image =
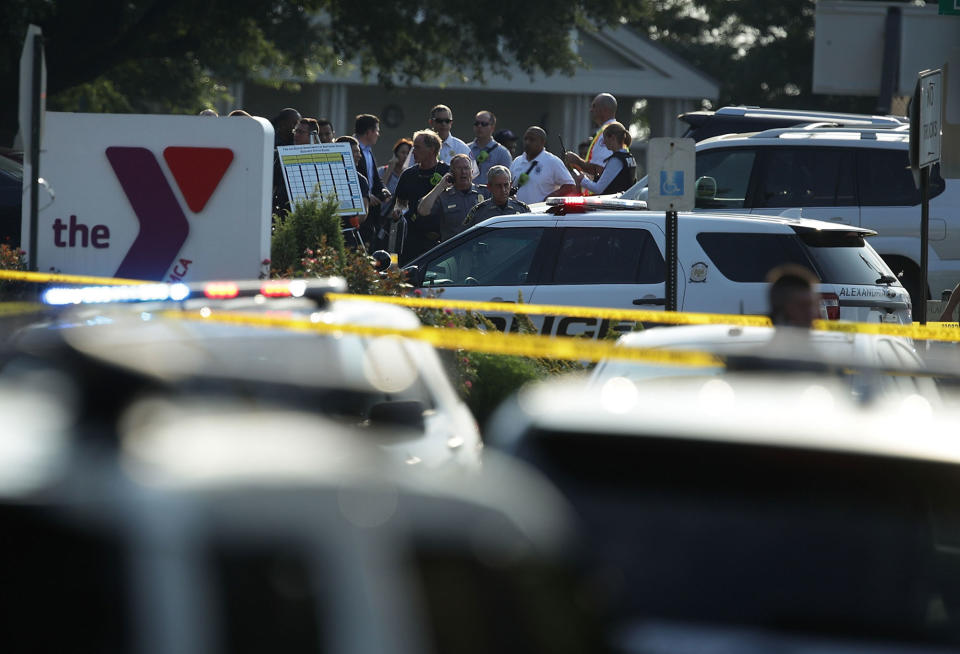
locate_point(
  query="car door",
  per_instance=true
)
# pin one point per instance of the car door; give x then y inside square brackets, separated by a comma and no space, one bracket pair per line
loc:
[820,182]
[610,264]
[500,263]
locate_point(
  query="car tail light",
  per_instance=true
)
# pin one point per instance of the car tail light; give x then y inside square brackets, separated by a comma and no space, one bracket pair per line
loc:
[275,289]
[830,306]
[221,290]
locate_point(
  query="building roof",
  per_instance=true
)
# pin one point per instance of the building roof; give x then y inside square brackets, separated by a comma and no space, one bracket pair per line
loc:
[617,60]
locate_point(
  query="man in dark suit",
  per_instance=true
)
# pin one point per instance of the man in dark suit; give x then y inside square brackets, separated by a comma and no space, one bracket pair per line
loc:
[367,131]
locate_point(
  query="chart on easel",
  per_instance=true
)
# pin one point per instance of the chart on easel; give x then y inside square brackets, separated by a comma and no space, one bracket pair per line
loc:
[325,169]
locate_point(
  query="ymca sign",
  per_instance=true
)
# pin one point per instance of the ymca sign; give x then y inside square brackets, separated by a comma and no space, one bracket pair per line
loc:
[171,198]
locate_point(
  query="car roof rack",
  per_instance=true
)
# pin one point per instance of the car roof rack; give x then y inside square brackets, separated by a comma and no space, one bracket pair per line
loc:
[866,133]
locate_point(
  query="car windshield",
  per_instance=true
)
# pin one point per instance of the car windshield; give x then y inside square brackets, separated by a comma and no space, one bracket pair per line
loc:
[765,536]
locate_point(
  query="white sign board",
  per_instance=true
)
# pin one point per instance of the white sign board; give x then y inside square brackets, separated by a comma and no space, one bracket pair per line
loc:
[931,93]
[671,170]
[155,197]
[322,168]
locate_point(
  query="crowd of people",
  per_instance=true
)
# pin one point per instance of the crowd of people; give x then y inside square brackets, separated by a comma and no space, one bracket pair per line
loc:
[435,185]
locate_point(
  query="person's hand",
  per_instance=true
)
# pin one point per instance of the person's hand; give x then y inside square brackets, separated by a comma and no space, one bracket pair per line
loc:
[374,200]
[385,193]
[572,159]
[446,182]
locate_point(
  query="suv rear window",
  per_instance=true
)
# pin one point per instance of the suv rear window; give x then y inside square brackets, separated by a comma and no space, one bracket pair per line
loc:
[749,257]
[835,257]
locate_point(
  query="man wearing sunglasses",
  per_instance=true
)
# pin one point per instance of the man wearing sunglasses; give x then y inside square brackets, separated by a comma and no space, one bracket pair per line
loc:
[440,121]
[483,149]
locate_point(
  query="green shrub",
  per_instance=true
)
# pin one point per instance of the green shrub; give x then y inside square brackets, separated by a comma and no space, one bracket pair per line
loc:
[302,229]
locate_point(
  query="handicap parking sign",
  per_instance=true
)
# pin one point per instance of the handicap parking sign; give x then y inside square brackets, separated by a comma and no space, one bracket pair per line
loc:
[671,162]
[671,182]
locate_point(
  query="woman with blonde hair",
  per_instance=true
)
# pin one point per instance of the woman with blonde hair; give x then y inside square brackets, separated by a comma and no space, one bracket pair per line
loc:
[619,169]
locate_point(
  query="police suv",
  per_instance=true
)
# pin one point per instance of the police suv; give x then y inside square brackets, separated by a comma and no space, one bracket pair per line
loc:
[610,253]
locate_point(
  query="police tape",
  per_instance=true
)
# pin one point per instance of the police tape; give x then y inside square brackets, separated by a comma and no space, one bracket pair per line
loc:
[57,278]
[8,309]
[627,315]
[525,345]
[947,332]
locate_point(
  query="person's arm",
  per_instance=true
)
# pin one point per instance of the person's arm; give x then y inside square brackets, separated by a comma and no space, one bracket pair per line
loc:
[573,160]
[947,314]
[428,200]
[610,171]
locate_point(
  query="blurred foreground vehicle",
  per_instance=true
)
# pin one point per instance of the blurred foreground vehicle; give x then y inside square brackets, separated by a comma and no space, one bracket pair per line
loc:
[756,512]
[229,530]
[865,360]
[110,353]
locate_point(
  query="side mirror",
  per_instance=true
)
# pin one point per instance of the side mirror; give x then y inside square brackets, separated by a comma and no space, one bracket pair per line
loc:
[400,413]
[412,275]
[706,188]
[945,295]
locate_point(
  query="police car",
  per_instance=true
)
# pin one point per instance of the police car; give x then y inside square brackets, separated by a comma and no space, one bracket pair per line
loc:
[610,253]
[854,176]
[115,342]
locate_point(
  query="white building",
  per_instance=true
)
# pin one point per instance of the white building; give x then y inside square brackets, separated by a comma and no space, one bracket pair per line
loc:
[618,61]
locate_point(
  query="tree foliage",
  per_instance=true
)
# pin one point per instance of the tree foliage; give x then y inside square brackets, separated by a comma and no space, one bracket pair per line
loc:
[166,55]
[760,52]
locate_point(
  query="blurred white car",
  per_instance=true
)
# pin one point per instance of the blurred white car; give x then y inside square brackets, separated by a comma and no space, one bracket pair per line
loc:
[756,513]
[800,350]
[396,387]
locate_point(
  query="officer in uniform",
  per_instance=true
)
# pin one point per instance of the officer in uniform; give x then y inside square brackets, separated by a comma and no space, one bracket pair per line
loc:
[500,202]
[447,205]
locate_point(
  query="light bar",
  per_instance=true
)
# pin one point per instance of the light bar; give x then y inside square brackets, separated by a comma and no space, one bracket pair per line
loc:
[597,203]
[221,290]
[60,296]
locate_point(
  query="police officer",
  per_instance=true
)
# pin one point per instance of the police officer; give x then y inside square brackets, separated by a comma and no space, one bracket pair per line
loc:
[450,200]
[500,202]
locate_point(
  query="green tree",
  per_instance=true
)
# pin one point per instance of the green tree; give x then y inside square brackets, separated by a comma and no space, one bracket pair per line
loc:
[760,52]
[166,55]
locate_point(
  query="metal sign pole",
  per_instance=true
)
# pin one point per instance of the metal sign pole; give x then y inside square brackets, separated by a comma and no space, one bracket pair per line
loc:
[671,282]
[924,238]
[35,95]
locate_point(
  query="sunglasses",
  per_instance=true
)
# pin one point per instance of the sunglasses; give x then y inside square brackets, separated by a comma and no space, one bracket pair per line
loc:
[443,121]
[480,123]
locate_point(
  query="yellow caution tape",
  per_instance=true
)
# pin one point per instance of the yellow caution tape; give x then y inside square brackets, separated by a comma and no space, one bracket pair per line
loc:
[43,278]
[918,332]
[632,315]
[18,308]
[937,331]
[527,345]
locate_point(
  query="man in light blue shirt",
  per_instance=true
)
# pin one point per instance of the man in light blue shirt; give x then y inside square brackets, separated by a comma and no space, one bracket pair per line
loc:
[483,149]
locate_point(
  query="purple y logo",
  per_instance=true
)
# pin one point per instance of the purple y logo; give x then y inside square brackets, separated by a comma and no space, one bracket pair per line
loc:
[163,224]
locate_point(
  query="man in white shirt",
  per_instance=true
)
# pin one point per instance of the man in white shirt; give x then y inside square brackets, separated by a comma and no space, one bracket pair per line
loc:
[537,173]
[603,111]
[441,121]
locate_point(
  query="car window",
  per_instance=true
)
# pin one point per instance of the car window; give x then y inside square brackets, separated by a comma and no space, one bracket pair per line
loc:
[608,256]
[885,179]
[731,169]
[806,177]
[743,257]
[492,258]
[844,258]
